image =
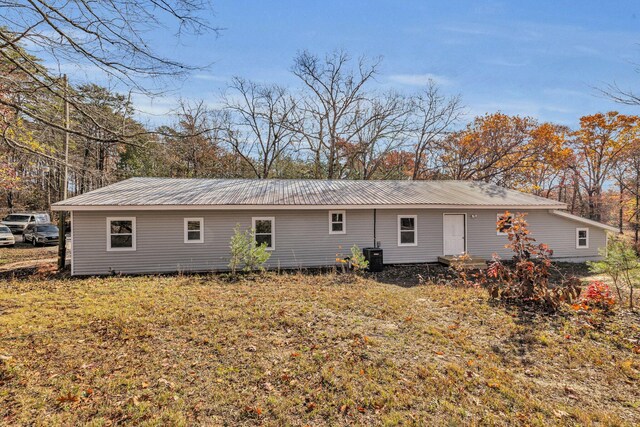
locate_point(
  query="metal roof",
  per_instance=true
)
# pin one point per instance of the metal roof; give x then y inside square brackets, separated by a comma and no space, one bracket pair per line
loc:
[585,220]
[166,193]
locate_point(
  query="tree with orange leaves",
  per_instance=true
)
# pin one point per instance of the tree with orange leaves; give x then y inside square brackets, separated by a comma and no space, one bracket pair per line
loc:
[507,150]
[602,139]
[545,172]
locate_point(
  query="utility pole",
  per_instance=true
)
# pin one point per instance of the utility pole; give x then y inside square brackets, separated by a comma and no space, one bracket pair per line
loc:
[62,244]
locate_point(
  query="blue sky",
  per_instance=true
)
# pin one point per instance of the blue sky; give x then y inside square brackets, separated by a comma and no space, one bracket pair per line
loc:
[541,59]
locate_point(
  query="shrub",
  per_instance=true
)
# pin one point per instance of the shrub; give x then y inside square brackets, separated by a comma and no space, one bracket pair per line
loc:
[597,295]
[245,252]
[238,246]
[462,275]
[256,256]
[527,277]
[356,262]
[621,263]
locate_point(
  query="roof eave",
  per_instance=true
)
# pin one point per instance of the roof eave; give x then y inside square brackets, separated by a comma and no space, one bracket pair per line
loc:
[94,208]
[585,221]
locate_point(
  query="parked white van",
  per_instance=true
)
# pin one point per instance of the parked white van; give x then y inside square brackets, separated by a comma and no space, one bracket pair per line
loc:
[18,221]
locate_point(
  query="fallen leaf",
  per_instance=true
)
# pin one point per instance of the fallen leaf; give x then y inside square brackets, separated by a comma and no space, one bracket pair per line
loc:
[68,398]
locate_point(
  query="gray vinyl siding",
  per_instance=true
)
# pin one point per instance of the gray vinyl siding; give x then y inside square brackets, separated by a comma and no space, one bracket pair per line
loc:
[302,238]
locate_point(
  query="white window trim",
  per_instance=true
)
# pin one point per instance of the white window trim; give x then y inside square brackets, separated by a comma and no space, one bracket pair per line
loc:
[415,230]
[133,234]
[498,232]
[578,230]
[186,230]
[273,228]
[344,222]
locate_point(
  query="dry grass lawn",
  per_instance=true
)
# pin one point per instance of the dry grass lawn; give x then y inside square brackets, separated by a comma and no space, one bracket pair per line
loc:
[304,350]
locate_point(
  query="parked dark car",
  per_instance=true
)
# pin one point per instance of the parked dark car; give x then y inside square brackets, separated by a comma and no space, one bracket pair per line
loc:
[41,234]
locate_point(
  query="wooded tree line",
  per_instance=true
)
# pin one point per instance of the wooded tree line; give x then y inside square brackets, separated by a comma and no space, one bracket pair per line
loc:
[334,124]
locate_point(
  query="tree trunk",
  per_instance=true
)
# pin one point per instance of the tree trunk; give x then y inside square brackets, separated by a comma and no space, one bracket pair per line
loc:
[621,207]
[574,196]
[637,224]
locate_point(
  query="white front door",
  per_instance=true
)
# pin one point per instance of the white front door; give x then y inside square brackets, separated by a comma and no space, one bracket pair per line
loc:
[454,234]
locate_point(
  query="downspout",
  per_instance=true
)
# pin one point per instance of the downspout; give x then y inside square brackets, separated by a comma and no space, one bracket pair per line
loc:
[374,229]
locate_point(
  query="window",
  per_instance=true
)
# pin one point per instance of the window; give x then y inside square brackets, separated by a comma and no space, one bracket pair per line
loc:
[582,238]
[193,230]
[407,230]
[507,224]
[264,228]
[121,234]
[337,222]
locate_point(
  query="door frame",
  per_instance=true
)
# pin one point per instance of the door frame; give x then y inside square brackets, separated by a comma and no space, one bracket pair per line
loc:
[464,214]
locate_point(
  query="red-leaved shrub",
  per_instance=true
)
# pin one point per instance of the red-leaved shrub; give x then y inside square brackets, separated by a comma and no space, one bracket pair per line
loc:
[527,277]
[596,295]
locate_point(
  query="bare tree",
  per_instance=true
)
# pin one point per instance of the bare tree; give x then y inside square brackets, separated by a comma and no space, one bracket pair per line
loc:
[104,36]
[381,127]
[621,95]
[261,124]
[433,116]
[334,91]
[193,145]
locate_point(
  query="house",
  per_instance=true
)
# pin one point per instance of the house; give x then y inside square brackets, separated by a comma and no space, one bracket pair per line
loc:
[152,225]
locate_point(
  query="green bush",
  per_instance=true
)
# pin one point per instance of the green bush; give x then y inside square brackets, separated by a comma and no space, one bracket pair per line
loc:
[621,263]
[245,253]
[356,262]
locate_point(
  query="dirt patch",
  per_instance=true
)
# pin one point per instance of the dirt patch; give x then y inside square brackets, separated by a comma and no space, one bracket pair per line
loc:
[22,252]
